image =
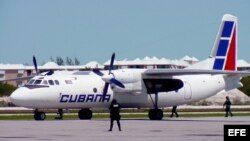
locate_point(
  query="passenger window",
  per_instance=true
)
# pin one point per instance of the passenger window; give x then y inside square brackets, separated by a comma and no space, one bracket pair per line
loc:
[68,82]
[51,82]
[94,90]
[45,82]
[37,82]
[31,81]
[57,82]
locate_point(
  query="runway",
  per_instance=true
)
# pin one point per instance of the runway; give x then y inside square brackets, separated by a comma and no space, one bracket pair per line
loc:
[173,129]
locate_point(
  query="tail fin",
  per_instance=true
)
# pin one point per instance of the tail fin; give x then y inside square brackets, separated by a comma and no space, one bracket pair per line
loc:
[224,50]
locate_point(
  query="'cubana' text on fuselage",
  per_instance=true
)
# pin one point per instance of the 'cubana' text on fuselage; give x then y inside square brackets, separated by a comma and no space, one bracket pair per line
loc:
[79,98]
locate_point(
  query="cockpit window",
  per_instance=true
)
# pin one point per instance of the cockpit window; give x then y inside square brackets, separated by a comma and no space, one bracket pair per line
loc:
[57,82]
[31,81]
[45,82]
[51,82]
[37,82]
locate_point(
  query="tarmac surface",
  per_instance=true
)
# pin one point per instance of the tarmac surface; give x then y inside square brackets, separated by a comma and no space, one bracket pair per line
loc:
[172,129]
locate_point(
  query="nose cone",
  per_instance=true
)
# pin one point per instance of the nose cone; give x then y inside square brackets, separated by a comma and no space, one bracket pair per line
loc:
[18,96]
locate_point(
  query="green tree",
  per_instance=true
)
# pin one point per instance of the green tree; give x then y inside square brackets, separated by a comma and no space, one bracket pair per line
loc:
[52,59]
[77,62]
[69,61]
[246,85]
[59,61]
[6,89]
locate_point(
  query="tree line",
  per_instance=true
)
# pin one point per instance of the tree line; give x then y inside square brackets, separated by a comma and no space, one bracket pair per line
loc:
[68,61]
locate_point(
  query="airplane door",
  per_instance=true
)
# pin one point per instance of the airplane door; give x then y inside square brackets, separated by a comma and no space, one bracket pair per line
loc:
[187,91]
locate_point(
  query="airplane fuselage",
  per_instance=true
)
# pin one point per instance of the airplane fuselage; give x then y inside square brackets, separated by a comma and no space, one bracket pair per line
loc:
[85,91]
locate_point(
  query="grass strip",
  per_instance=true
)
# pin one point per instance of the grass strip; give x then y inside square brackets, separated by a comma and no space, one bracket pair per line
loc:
[105,115]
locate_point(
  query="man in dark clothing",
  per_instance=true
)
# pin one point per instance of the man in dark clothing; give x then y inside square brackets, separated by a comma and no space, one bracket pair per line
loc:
[174,112]
[227,103]
[114,114]
[60,113]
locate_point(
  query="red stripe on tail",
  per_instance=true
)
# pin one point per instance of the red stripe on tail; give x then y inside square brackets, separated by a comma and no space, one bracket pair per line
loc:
[231,56]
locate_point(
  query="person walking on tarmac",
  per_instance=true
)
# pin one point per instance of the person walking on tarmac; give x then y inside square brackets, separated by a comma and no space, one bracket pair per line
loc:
[174,111]
[114,114]
[227,103]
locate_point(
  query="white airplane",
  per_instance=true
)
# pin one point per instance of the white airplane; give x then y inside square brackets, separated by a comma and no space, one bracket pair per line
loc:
[137,88]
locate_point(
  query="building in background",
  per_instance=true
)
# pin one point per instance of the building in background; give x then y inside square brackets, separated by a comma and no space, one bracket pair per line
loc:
[8,71]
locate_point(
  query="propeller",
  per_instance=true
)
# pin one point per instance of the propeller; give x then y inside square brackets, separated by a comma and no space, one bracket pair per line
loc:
[50,72]
[35,64]
[108,78]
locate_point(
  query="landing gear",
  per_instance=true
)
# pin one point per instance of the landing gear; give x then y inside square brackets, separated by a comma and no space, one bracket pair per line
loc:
[85,114]
[60,114]
[39,115]
[156,113]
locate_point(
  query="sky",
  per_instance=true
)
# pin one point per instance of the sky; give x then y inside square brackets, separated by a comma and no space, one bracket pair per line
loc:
[91,30]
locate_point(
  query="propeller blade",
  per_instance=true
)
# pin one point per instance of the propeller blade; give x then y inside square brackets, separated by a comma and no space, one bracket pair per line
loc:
[111,62]
[98,72]
[116,82]
[107,78]
[34,63]
[50,72]
[105,90]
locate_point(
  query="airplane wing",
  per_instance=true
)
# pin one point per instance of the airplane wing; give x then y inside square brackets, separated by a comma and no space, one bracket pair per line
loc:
[17,78]
[27,77]
[160,80]
[172,72]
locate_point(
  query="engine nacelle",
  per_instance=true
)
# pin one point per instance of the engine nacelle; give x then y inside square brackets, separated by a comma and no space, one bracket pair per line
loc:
[130,78]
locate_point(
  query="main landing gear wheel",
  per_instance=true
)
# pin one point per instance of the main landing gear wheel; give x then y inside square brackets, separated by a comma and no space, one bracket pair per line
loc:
[155,114]
[39,115]
[84,114]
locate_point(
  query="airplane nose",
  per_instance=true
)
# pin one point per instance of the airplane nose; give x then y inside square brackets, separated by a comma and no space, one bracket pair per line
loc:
[17,97]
